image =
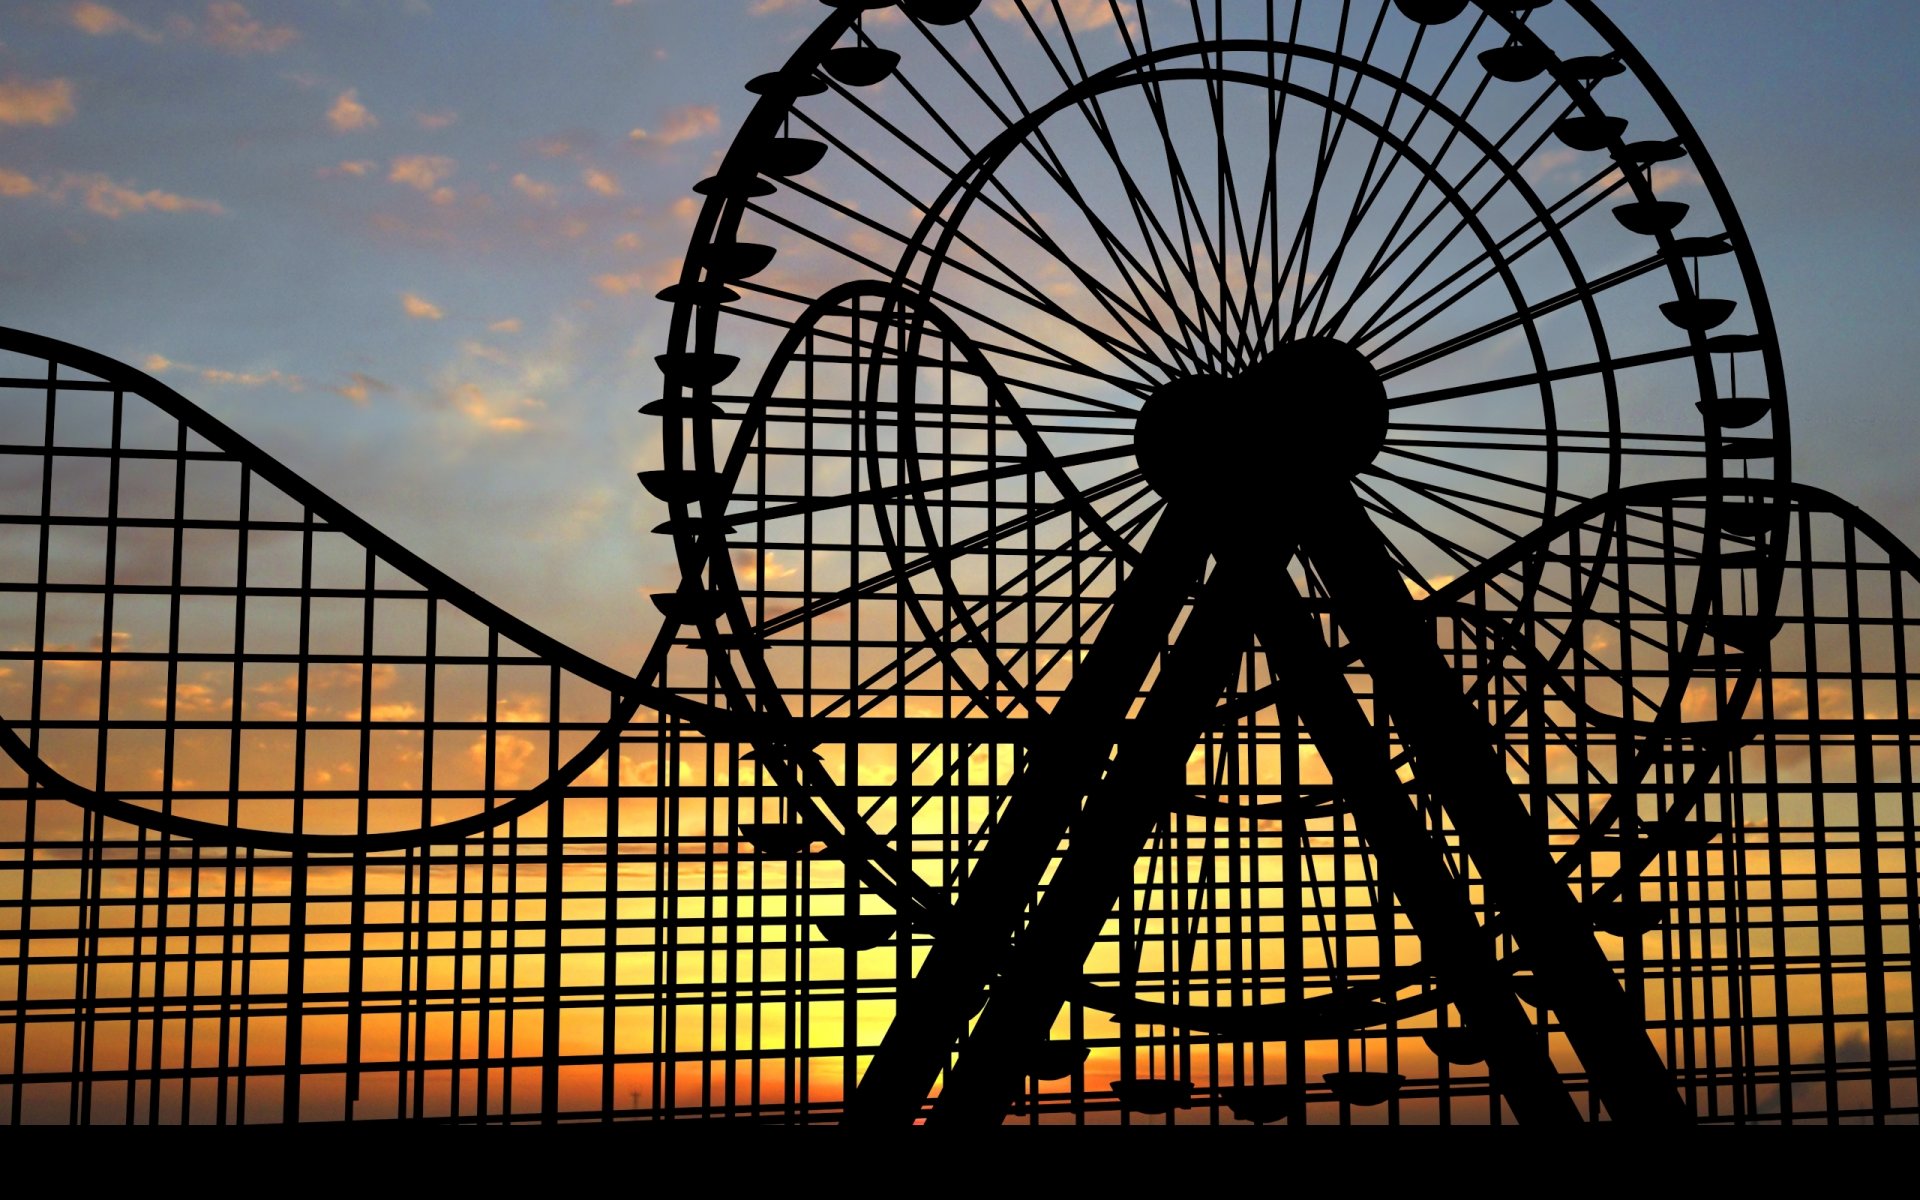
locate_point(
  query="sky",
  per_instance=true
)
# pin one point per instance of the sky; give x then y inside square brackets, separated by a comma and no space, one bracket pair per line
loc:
[410,246]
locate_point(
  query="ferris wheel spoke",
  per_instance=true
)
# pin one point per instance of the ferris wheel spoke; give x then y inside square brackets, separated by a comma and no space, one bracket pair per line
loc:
[1050,357]
[1380,321]
[1393,246]
[924,487]
[1526,316]
[891,359]
[1362,210]
[1035,583]
[1390,250]
[1009,209]
[1329,149]
[1428,177]
[877,584]
[1040,148]
[1227,202]
[1535,379]
[1323,284]
[1026,291]
[1463,556]
[1127,262]
[1267,219]
[1037,300]
[1456,501]
[1186,201]
[1675,445]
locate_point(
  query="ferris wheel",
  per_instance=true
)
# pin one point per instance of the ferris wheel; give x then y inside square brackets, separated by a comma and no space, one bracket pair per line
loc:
[1242,520]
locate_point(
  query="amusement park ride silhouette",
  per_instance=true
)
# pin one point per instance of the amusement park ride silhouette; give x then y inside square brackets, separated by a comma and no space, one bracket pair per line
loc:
[1237,564]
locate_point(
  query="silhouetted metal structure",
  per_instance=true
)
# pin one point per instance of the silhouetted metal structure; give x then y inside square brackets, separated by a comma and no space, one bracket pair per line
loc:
[1236,566]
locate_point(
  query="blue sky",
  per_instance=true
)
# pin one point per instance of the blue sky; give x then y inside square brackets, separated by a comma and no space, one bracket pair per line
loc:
[410,247]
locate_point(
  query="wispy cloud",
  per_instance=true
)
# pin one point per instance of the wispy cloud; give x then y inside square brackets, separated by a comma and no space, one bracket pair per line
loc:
[1080,14]
[156,364]
[35,102]
[420,309]
[425,173]
[108,198]
[422,172]
[225,25]
[599,182]
[361,388]
[533,189]
[621,285]
[435,120]
[493,410]
[348,115]
[102,195]
[682,124]
[230,27]
[98,20]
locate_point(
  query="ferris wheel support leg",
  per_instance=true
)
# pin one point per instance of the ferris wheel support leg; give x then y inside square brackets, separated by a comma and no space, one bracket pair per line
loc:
[1458,762]
[1108,836]
[936,1004]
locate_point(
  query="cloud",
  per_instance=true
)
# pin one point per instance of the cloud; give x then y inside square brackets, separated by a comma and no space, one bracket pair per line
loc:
[660,275]
[493,411]
[1080,14]
[436,120]
[420,310]
[533,189]
[1665,179]
[600,182]
[97,20]
[481,350]
[361,388]
[422,172]
[292,383]
[355,167]
[348,115]
[227,26]
[510,325]
[621,285]
[230,27]
[154,364]
[114,200]
[681,125]
[102,195]
[1545,163]
[30,102]
[510,758]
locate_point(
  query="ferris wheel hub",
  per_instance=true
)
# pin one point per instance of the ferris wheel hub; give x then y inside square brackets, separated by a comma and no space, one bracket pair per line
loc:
[1308,414]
